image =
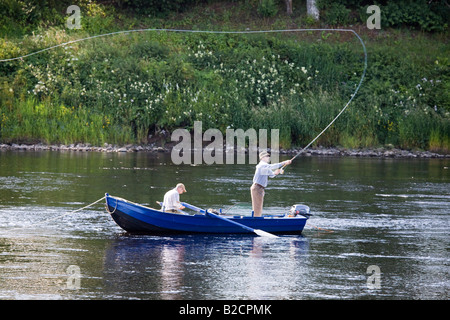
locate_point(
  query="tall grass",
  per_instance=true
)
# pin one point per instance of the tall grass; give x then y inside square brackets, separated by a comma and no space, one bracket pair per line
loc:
[49,122]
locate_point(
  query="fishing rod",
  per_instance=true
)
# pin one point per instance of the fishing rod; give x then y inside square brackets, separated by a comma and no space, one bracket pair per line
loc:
[343,109]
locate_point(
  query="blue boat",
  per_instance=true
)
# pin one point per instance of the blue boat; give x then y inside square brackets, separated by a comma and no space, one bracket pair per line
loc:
[136,218]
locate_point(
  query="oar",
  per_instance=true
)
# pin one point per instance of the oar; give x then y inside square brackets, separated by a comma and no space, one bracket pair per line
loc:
[260,233]
[190,206]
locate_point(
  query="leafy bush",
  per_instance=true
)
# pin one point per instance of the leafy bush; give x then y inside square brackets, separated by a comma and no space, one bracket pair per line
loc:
[337,14]
[420,14]
[267,8]
[417,14]
[154,7]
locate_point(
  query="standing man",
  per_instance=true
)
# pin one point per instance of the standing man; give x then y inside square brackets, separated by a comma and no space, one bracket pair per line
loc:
[171,202]
[260,180]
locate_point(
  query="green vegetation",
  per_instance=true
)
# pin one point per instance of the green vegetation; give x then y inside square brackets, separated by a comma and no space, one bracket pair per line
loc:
[123,88]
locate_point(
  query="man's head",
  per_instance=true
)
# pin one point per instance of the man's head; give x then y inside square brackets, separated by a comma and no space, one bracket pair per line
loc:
[264,156]
[181,188]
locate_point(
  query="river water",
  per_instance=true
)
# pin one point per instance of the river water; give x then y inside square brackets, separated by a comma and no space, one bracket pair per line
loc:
[384,230]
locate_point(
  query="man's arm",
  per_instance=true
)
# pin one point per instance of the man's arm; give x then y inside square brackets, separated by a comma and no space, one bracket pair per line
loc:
[278,165]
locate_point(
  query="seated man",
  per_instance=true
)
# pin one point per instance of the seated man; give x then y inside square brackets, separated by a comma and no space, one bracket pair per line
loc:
[171,201]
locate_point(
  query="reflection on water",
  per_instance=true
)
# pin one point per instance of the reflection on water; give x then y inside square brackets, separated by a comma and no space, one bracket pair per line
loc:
[389,213]
[190,266]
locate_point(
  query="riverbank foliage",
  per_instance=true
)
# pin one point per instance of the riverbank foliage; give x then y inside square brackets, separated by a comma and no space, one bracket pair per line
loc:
[132,87]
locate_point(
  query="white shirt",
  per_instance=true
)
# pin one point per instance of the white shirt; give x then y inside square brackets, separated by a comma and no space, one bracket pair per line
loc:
[171,200]
[264,171]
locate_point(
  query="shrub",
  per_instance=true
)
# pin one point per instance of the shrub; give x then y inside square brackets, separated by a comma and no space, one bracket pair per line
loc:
[337,14]
[431,16]
[419,14]
[267,8]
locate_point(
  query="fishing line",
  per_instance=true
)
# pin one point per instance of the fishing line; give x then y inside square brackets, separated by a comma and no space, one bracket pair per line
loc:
[57,217]
[348,103]
[224,32]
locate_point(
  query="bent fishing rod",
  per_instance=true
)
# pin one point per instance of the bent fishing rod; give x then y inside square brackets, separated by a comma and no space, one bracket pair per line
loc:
[343,109]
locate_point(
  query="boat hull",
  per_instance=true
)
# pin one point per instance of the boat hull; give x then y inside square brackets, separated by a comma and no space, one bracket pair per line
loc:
[136,218]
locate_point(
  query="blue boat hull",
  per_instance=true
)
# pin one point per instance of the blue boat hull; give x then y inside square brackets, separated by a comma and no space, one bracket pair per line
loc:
[136,218]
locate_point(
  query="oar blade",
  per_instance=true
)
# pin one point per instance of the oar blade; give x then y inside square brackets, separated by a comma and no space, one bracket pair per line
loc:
[262,233]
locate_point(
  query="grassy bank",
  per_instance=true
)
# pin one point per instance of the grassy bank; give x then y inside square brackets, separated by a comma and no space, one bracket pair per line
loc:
[126,88]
